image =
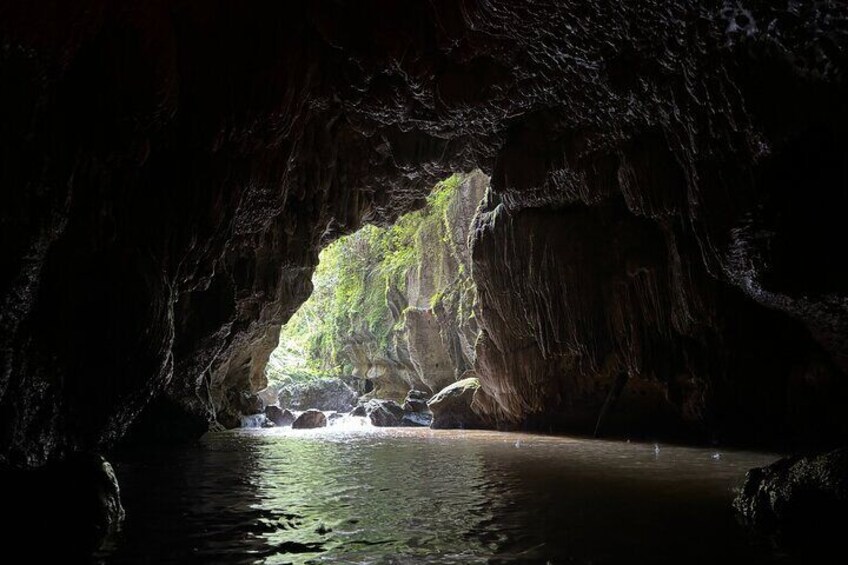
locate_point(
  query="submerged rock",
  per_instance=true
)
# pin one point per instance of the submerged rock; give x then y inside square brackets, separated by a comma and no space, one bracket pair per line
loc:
[334,417]
[451,407]
[797,496]
[310,419]
[323,394]
[280,416]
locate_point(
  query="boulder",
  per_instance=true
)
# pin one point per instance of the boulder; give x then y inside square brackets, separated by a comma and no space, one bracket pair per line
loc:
[360,411]
[451,407]
[323,394]
[797,496]
[279,416]
[416,411]
[384,413]
[334,417]
[416,401]
[310,419]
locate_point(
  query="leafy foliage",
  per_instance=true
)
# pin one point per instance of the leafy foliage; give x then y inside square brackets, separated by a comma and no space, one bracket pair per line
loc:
[349,296]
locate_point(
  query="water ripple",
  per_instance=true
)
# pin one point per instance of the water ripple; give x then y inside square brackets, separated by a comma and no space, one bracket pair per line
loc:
[371,495]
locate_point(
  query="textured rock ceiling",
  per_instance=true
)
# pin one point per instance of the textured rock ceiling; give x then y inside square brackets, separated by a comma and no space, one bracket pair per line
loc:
[670,177]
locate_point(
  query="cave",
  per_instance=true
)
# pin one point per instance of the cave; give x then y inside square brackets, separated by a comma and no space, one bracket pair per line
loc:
[654,256]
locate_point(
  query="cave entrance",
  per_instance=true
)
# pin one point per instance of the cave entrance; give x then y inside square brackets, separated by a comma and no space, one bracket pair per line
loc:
[390,321]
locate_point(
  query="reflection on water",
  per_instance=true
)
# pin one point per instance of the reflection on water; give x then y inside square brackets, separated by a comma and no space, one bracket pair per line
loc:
[351,494]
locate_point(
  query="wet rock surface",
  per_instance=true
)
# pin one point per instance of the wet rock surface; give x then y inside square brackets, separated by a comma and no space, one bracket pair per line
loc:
[416,401]
[433,331]
[280,416]
[798,496]
[323,394]
[310,419]
[172,170]
[416,411]
[452,407]
[384,413]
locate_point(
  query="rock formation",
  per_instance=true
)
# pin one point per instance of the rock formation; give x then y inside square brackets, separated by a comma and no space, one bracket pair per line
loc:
[800,499]
[323,394]
[310,419]
[384,413]
[453,406]
[279,416]
[656,251]
[434,330]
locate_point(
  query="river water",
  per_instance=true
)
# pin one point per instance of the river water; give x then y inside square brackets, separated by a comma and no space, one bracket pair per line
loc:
[358,494]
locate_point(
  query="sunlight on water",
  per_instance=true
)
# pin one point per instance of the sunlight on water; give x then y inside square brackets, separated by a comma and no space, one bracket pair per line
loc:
[353,493]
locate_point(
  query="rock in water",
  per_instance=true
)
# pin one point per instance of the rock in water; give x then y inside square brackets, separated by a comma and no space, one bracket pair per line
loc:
[279,416]
[323,394]
[416,401]
[416,411]
[417,419]
[451,407]
[384,413]
[803,498]
[310,419]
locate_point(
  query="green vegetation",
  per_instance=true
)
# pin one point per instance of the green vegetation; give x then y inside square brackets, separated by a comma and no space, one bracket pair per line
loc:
[350,287]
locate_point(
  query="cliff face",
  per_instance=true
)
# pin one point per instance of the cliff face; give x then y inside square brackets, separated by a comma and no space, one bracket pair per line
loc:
[170,172]
[434,327]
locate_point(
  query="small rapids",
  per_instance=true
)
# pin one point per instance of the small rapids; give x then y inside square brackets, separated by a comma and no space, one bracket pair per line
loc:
[335,420]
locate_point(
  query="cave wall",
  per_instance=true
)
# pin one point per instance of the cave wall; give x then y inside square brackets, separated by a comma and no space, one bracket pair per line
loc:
[171,170]
[677,277]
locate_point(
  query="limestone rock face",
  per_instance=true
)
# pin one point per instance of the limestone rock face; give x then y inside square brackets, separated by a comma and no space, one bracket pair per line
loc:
[452,407]
[434,342]
[310,419]
[172,169]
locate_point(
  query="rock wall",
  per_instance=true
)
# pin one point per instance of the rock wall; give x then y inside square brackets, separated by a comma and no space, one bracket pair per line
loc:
[668,276]
[433,343]
[171,170]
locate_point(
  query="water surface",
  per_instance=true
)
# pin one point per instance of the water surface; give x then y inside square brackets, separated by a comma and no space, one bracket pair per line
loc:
[356,494]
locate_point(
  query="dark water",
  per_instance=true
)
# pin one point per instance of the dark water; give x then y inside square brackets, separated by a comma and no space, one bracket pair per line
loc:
[422,496]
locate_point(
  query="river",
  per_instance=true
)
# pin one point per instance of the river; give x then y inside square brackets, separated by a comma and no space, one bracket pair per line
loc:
[358,494]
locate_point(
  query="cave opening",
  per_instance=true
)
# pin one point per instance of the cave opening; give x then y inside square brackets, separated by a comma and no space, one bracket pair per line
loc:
[389,324]
[652,301]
